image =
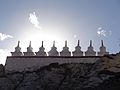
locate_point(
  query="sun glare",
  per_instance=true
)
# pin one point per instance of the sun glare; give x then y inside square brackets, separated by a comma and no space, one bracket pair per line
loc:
[38,36]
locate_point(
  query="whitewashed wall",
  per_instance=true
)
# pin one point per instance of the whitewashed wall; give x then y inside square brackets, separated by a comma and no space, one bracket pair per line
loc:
[21,63]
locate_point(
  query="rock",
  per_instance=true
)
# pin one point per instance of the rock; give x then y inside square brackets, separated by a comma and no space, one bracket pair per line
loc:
[104,74]
[2,70]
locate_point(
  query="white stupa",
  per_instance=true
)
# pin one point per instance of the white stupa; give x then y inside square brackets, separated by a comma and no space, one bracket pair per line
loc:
[65,51]
[41,51]
[29,51]
[90,51]
[53,51]
[77,51]
[17,51]
[102,50]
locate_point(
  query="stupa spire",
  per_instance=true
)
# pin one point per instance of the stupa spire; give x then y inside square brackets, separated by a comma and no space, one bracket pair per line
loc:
[102,43]
[90,51]
[18,44]
[102,50]
[78,43]
[65,51]
[42,44]
[41,51]
[30,44]
[90,43]
[53,43]
[66,43]
[77,51]
[17,51]
[29,50]
[53,51]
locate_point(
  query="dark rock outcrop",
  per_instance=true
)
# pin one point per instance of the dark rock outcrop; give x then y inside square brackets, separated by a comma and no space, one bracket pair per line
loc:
[102,75]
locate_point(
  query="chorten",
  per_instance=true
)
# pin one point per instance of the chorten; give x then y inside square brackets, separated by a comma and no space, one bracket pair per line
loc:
[77,51]
[102,50]
[41,51]
[90,51]
[65,51]
[17,51]
[53,51]
[29,51]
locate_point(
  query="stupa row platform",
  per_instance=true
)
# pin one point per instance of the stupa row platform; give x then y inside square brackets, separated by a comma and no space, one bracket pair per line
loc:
[29,63]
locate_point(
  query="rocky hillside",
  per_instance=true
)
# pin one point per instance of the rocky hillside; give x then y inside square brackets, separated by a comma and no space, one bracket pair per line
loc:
[102,75]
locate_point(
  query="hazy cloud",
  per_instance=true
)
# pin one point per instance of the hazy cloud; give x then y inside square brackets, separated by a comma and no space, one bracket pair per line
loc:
[5,36]
[3,54]
[34,20]
[102,32]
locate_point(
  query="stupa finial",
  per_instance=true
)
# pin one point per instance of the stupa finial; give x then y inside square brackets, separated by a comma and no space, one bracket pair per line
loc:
[30,44]
[18,44]
[102,43]
[17,49]
[42,44]
[53,43]
[66,43]
[90,43]
[78,42]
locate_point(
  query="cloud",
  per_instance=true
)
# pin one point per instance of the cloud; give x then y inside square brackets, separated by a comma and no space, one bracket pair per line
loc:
[102,32]
[3,54]
[4,36]
[34,20]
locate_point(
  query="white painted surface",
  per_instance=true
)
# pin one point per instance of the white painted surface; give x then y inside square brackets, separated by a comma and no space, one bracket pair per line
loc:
[20,64]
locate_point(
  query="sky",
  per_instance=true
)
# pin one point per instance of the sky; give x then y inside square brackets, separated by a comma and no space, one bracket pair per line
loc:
[59,20]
